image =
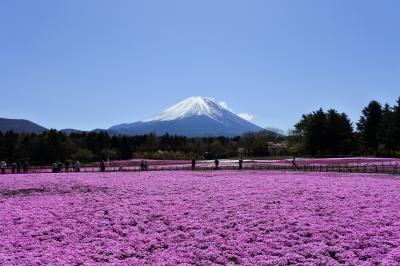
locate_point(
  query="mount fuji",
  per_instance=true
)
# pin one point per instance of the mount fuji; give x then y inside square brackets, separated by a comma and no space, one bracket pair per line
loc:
[193,117]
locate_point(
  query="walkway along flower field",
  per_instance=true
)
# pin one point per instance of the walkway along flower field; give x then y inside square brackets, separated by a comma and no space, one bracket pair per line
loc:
[203,218]
[348,164]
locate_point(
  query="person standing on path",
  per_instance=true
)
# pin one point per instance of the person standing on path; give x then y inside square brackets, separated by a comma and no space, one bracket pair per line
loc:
[102,166]
[78,166]
[18,167]
[294,166]
[3,166]
[66,166]
[216,163]
[25,166]
[13,168]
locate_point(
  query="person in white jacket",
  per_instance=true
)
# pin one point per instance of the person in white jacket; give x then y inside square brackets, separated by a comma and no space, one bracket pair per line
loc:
[3,166]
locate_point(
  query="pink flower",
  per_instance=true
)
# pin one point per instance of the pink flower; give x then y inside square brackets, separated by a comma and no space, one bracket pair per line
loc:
[213,217]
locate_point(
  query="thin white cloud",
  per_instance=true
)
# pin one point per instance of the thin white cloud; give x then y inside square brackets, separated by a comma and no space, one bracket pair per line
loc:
[225,105]
[245,116]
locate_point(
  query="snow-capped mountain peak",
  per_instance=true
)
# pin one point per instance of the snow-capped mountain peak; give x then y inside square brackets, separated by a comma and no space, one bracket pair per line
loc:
[192,106]
[194,117]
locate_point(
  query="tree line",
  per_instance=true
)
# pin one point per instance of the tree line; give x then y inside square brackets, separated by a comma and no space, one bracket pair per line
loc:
[327,133]
[53,145]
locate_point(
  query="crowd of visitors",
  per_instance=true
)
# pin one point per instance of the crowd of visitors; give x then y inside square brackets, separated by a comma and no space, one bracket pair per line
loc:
[74,166]
[68,166]
[15,167]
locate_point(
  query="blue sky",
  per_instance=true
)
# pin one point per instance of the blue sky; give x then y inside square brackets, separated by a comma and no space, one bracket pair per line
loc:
[88,64]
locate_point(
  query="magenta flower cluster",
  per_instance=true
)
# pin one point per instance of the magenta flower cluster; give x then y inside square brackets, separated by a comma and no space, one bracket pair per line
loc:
[202,218]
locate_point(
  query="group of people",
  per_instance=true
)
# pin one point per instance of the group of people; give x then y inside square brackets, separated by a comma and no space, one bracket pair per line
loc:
[74,166]
[216,164]
[144,166]
[16,167]
[68,166]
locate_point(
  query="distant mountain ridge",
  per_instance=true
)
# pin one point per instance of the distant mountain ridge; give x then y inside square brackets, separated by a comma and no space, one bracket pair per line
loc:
[192,117]
[71,130]
[20,126]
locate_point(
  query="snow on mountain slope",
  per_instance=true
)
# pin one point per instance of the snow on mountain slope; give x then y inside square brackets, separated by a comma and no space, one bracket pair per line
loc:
[195,116]
[193,106]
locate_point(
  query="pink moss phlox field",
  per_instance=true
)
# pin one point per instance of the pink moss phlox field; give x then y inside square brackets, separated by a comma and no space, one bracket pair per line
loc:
[203,218]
